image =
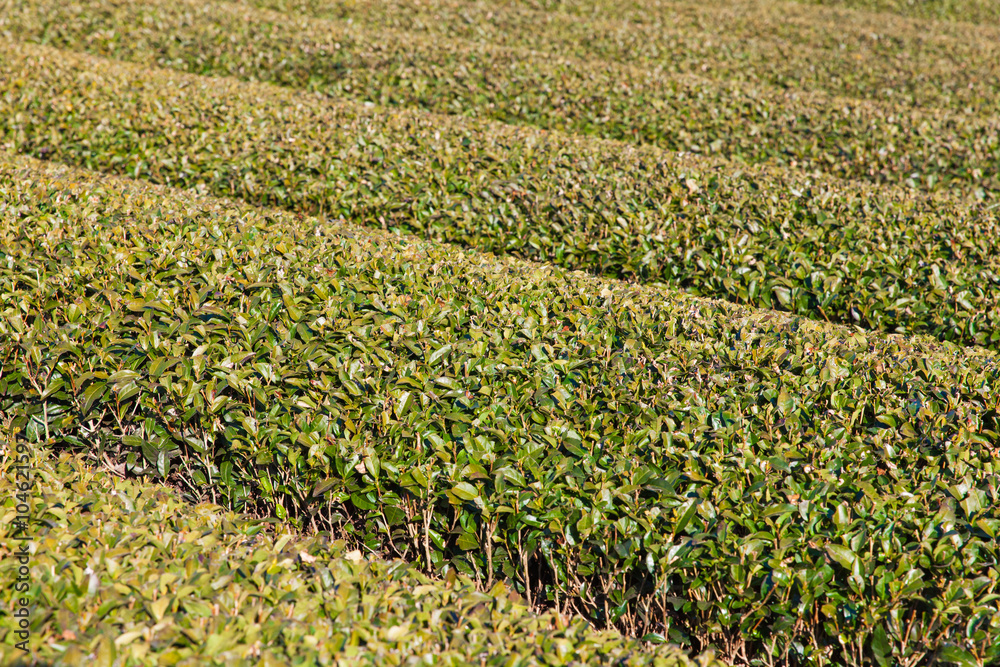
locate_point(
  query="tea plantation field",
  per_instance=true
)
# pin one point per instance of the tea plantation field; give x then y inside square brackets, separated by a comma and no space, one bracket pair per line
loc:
[451,332]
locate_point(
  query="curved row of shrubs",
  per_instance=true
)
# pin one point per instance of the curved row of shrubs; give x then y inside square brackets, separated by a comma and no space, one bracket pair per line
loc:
[881,258]
[662,463]
[848,53]
[931,148]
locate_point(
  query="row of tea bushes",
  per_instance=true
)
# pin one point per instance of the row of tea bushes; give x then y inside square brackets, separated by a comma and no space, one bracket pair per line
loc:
[127,573]
[652,460]
[883,142]
[878,257]
[775,43]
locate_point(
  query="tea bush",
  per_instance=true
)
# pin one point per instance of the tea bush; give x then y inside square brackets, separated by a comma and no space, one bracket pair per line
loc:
[806,46]
[679,468]
[883,142]
[880,257]
[128,573]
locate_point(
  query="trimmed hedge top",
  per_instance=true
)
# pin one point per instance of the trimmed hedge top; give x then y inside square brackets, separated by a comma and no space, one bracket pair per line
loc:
[656,461]
[933,148]
[881,257]
[791,45]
